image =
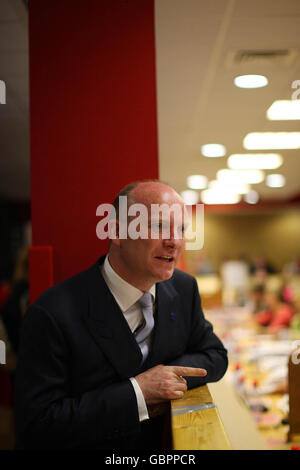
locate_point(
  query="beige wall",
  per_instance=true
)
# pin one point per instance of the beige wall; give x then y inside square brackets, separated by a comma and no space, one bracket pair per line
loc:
[276,235]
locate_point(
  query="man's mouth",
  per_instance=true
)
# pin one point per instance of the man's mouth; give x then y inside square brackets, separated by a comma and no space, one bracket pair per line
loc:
[167,259]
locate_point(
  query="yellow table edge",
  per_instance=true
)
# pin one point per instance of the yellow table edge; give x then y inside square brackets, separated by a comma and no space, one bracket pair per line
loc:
[196,423]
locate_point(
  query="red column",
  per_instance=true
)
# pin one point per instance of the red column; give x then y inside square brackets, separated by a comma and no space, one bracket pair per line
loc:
[93,122]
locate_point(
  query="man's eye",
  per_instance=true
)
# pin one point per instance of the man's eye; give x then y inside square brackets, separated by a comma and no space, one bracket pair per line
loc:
[157,226]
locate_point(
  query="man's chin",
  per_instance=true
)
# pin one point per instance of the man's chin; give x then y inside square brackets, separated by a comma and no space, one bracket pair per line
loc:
[165,275]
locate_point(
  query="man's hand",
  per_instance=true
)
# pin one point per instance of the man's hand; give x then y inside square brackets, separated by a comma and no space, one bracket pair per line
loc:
[162,383]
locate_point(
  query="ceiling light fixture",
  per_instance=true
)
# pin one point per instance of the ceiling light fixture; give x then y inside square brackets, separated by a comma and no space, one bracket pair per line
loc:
[239,188]
[284,110]
[252,197]
[275,180]
[197,181]
[257,161]
[189,197]
[240,176]
[213,150]
[212,196]
[250,81]
[272,140]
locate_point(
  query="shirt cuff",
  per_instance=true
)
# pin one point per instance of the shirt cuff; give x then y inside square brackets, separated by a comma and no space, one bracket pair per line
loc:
[142,407]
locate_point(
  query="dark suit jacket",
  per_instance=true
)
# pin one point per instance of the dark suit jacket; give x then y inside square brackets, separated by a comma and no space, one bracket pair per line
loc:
[77,353]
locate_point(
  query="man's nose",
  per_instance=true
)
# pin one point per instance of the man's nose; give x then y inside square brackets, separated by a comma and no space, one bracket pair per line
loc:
[171,241]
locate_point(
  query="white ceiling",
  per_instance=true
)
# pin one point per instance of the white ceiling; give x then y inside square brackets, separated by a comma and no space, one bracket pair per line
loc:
[197,101]
[196,41]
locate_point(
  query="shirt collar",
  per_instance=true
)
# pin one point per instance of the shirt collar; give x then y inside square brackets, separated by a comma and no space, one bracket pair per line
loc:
[124,293]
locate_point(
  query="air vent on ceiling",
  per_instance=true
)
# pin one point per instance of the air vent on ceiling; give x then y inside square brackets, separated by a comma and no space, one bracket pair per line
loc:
[261,57]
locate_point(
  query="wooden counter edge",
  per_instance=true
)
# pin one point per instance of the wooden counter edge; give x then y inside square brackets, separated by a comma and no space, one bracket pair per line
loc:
[196,423]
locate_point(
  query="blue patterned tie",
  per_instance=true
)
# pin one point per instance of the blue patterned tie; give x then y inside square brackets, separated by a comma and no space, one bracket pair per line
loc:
[145,330]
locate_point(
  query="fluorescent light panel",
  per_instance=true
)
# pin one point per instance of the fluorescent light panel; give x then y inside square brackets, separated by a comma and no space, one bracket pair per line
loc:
[258,161]
[197,181]
[252,197]
[238,188]
[240,176]
[272,140]
[250,81]
[284,110]
[211,196]
[275,180]
[189,197]
[213,150]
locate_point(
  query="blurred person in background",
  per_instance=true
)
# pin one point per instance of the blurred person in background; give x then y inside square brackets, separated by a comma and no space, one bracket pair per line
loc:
[257,298]
[292,268]
[17,300]
[260,268]
[277,313]
[235,279]
[295,323]
[14,302]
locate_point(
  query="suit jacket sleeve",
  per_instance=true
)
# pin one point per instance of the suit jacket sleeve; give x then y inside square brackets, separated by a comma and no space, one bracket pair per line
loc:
[204,348]
[47,415]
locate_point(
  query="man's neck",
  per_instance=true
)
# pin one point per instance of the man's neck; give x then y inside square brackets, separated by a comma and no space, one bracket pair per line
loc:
[131,279]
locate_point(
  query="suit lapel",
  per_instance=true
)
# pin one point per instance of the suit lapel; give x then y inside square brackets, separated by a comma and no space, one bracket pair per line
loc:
[109,328]
[165,322]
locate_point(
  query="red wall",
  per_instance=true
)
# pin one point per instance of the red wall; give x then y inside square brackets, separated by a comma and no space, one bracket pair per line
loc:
[93,122]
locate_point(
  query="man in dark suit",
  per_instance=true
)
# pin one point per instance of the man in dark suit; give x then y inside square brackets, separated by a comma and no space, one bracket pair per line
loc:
[102,353]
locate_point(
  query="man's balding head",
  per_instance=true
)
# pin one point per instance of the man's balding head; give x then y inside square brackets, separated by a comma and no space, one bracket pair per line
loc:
[154,192]
[145,260]
[144,191]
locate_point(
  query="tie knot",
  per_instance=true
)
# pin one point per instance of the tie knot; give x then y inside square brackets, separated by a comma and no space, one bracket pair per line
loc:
[146,300]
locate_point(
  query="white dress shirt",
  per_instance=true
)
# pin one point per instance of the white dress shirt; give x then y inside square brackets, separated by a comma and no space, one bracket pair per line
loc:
[127,297]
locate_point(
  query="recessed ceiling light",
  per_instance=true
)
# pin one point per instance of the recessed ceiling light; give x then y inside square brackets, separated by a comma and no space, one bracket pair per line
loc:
[240,176]
[189,197]
[272,140]
[212,196]
[284,110]
[252,197]
[213,150]
[250,81]
[258,161]
[275,181]
[197,181]
[239,188]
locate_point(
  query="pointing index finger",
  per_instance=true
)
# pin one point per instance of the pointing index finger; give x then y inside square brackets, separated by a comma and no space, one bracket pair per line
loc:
[189,371]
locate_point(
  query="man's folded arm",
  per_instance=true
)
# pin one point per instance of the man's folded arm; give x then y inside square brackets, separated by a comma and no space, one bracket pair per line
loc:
[46,413]
[204,349]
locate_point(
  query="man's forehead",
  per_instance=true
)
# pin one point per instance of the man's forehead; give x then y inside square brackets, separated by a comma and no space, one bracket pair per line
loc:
[155,193]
